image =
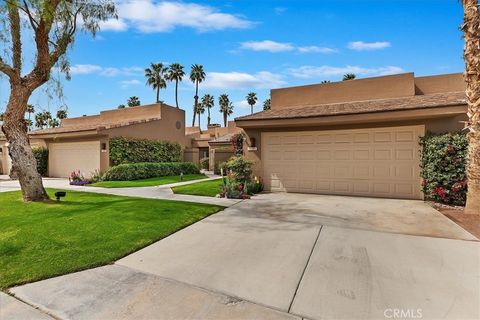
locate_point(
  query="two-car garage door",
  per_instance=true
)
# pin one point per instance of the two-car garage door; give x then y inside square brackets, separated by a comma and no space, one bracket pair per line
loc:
[377,162]
[65,157]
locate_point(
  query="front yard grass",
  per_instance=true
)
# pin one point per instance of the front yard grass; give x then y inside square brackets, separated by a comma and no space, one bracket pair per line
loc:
[85,230]
[208,188]
[157,181]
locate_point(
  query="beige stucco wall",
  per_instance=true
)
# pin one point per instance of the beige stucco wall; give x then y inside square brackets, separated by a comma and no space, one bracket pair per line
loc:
[191,155]
[440,83]
[401,85]
[395,86]
[5,161]
[124,115]
[437,125]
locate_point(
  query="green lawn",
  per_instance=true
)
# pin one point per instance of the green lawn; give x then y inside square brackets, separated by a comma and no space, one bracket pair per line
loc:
[85,230]
[148,182]
[205,188]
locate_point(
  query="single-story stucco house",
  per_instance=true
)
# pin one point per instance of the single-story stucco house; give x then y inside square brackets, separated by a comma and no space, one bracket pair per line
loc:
[213,143]
[83,143]
[356,137]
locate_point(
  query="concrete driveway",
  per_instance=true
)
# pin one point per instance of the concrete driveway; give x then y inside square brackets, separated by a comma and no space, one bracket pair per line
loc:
[287,256]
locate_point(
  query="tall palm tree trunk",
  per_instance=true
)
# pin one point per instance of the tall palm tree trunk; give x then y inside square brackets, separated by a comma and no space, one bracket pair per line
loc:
[158,94]
[251,109]
[225,119]
[471,30]
[176,92]
[195,104]
[208,118]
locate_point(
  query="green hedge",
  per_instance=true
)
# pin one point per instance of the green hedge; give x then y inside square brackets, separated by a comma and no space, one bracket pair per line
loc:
[41,155]
[443,165]
[130,150]
[145,170]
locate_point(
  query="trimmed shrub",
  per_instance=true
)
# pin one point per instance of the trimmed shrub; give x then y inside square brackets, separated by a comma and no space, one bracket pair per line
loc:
[443,163]
[204,163]
[145,170]
[130,150]
[41,155]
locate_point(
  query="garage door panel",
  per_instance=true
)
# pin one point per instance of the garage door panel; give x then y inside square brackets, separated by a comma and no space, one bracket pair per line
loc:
[382,162]
[66,157]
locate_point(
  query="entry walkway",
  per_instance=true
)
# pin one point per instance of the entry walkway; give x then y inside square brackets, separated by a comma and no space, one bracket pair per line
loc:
[158,192]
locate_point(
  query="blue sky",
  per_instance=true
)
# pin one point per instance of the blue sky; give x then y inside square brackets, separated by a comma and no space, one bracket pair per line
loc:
[255,46]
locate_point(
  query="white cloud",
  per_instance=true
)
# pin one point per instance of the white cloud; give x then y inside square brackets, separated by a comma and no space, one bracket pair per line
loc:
[113,25]
[128,83]
[149,16]
[307,72]
[274,46]
[105,71]
[242,104]
[242,80]
[368,46]
[315,49]
[84,69]
[267,45]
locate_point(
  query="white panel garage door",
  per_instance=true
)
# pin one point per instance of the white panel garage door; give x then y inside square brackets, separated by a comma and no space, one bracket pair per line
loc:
[66,157]
[377,162]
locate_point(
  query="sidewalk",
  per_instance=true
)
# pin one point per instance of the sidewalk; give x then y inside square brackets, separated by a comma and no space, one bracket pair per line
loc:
[158,192]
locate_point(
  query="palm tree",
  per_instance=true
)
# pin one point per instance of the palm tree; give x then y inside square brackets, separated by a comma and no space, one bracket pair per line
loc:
[197,75]
[62,114]
[266,105]
[226,107]
[30,110]
[471,52]
[328,81]
[156,77]
[175,73]
[349,76]
[29,124]
[200,110]
[53,123]
[121,106]
[133,101]
[208,102]
[251,100]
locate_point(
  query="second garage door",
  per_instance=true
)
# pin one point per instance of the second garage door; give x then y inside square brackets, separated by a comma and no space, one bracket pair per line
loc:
[66,157]
[377,162]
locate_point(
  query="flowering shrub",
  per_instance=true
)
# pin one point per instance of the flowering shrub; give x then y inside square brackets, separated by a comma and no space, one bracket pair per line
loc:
[238,182]
[239,169]
[443,162]
[77,179]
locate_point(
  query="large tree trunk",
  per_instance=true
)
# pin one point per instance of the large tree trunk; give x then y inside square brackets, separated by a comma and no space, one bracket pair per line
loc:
[158,94]
[471,30]
[208,119]
[225,119]
[24,164]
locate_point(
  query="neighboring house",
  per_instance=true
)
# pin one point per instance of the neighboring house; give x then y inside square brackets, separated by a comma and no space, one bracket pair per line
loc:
[82,143]
[357,137]
[214,143]
[5,161]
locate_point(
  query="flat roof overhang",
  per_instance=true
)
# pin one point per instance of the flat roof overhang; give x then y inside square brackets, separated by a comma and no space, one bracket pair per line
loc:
[359,118]
[68,135]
